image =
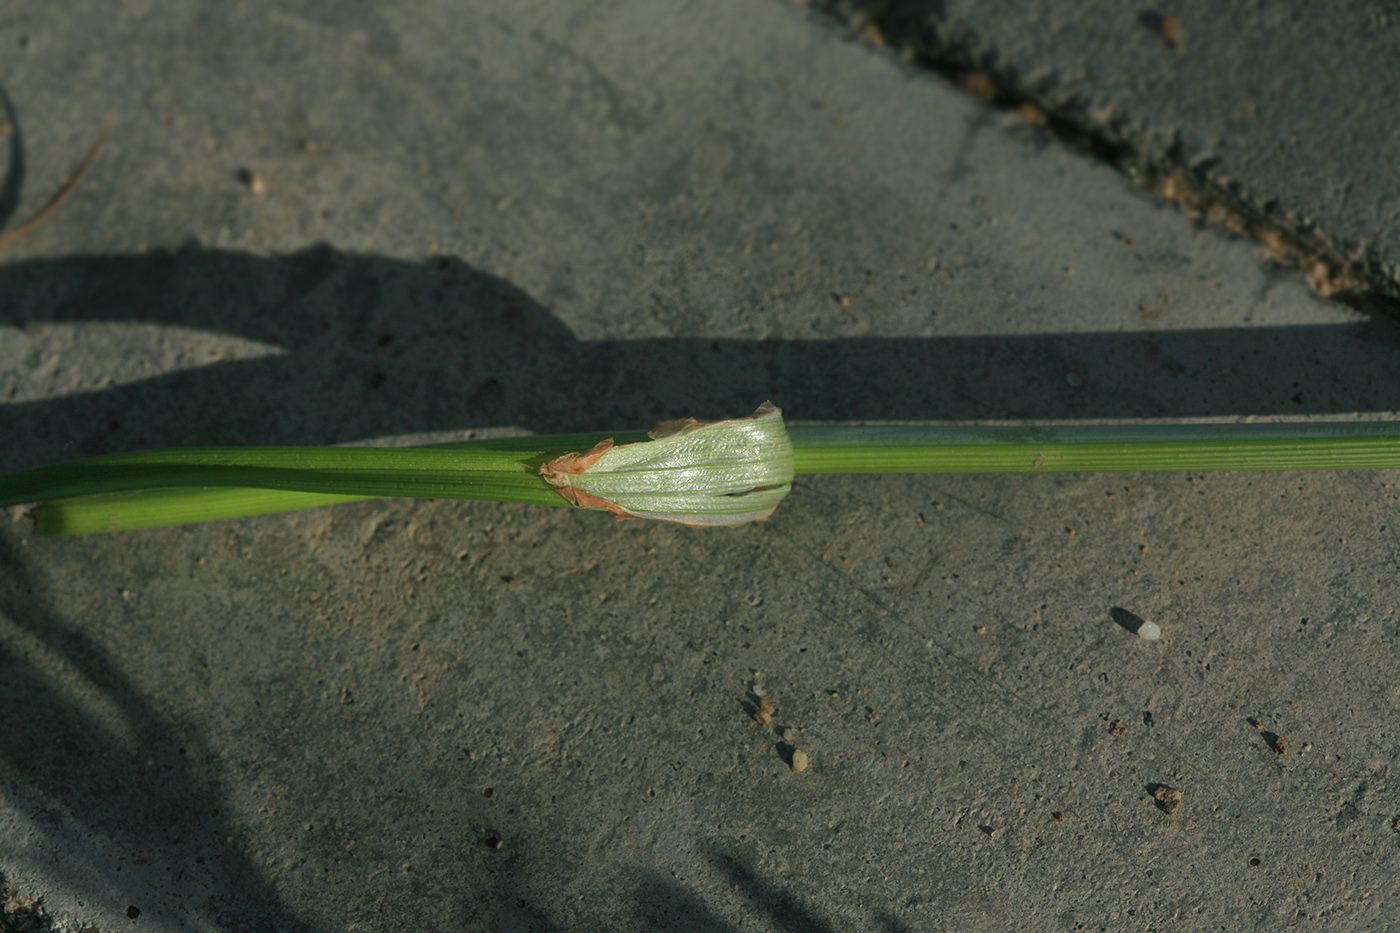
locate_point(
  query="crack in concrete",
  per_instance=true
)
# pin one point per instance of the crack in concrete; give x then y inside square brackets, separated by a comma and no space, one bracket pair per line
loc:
[922,33]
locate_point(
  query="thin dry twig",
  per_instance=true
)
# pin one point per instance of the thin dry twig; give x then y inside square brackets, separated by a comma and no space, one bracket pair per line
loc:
[47,210]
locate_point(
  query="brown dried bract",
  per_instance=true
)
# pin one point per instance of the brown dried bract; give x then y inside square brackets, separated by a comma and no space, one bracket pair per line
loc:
[577,463]
[686,425]
[556,471]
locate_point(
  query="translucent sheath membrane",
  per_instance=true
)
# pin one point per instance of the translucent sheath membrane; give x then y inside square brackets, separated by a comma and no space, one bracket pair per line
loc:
[696,473]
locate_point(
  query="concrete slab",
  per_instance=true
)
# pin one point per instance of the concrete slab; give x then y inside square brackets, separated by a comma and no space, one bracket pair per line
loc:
[434,715]
[1269,116]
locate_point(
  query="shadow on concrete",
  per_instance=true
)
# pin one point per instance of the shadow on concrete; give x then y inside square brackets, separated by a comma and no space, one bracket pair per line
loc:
[144,780]
[363,346]
[890,925]
[13,182]
[1129,621]
[783,910]
[663,904]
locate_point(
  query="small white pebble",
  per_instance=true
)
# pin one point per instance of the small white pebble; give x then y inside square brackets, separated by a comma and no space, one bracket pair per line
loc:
[1149,631]
[799,760]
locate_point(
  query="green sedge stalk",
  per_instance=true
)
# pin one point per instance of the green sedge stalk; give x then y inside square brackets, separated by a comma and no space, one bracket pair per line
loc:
[154,489]
[1112,448]
[744,477]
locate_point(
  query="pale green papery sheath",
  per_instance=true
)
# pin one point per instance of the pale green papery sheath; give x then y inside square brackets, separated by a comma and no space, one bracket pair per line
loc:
[718,473]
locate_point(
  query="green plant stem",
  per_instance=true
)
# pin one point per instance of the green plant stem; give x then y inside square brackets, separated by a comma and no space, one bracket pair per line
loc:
[151,489]
[160,488]
[176,505]
[1096,448]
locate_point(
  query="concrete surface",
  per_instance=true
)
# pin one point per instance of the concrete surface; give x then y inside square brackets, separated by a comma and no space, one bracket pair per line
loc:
[1281,112]
[403,715]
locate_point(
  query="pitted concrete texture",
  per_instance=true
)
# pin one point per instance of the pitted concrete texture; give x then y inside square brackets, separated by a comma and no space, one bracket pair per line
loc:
[1279,117]
[557,216]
